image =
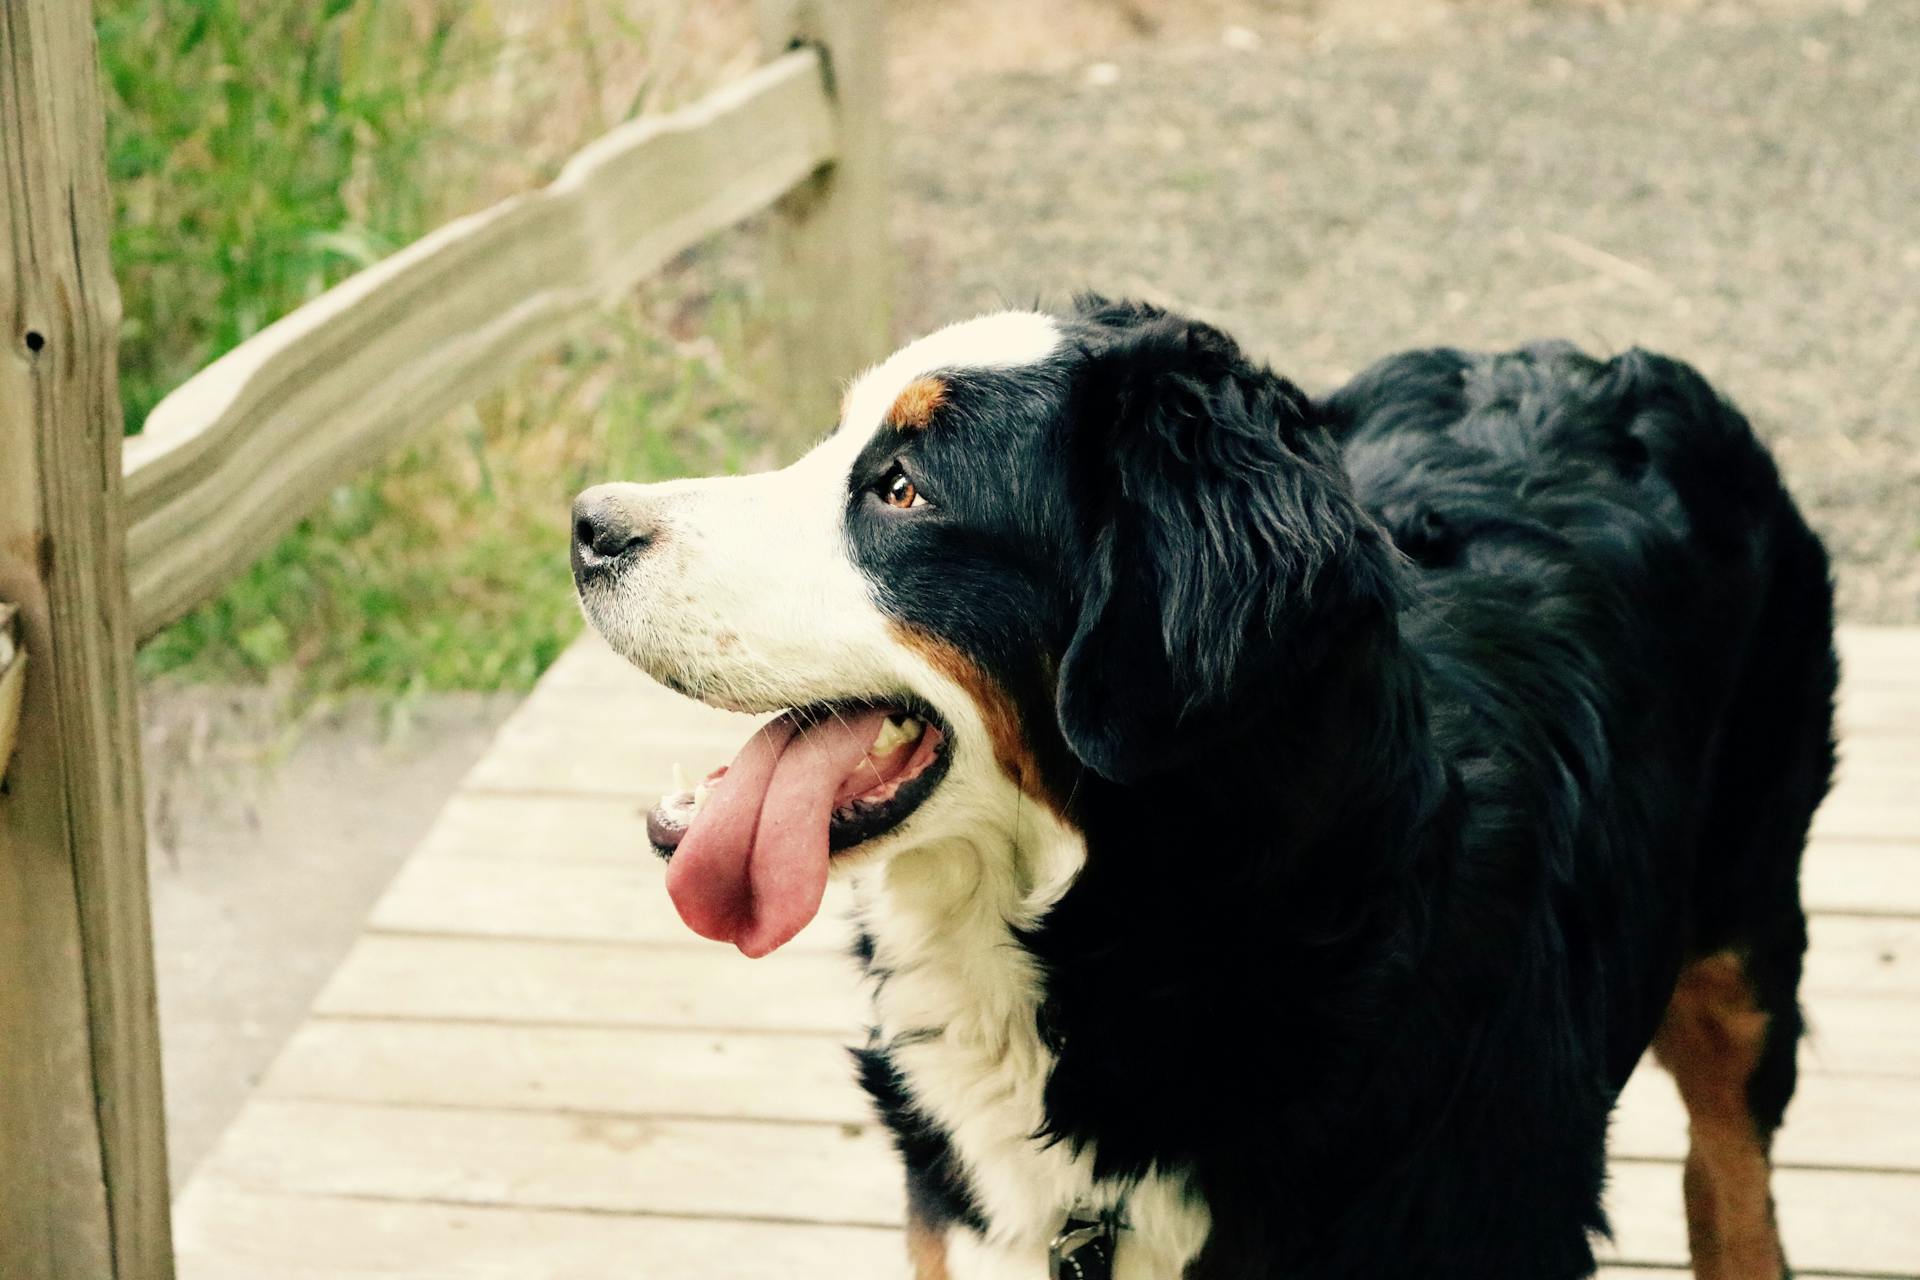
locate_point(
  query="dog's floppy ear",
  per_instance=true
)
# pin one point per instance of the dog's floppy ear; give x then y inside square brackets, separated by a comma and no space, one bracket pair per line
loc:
[1222,542]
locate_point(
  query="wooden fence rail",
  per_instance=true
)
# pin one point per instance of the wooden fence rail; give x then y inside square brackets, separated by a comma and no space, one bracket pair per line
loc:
[234,457]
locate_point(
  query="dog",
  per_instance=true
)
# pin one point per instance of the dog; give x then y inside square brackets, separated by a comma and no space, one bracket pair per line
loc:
[1277,825]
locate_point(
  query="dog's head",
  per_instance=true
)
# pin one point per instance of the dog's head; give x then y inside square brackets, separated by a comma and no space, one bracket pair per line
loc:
[1038,549]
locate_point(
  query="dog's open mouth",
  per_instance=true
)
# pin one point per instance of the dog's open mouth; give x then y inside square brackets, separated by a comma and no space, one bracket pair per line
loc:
[750,846]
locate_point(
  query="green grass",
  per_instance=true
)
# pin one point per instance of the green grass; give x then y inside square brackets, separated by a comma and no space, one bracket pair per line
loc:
[447,567]
[260,152]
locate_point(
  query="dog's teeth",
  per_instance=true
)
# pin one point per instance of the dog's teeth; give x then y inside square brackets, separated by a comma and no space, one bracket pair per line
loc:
[680,779]
[894,735]
[700,794]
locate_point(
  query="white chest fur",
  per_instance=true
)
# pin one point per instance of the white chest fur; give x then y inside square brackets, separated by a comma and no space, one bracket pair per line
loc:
[958,1005]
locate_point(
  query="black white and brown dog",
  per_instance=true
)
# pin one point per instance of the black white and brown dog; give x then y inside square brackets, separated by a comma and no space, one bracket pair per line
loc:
[1278,826]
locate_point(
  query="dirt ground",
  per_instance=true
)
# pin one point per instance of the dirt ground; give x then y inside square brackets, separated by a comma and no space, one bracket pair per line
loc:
[1734,183]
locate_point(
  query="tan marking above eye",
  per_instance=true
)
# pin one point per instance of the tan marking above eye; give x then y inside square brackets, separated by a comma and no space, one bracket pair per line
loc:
[914,407]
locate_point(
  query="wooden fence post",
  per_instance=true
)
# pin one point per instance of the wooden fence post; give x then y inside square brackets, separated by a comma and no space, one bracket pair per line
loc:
[83,1175]
[830,279]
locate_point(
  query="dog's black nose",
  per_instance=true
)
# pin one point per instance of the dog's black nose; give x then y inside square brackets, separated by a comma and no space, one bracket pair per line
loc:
[609,524]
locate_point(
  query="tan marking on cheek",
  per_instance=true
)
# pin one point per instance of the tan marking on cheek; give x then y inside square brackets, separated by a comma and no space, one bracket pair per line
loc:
[914,407]
[926,1249]
[1013,749]
[1711,1040]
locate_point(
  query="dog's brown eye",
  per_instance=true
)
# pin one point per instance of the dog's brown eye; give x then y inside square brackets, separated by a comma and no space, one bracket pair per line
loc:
[898,491]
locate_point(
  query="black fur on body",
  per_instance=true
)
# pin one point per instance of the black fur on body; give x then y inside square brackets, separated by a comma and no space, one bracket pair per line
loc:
[1418,737]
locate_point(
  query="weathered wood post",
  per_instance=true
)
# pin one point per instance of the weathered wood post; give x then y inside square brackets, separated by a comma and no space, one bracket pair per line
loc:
[83,1173]
[830,278]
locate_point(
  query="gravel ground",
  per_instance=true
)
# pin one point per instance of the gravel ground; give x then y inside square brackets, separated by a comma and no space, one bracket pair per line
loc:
[1738,185]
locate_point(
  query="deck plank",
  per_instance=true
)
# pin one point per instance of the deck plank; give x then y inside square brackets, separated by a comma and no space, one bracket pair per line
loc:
[1869,877]
[511,980]
[1878,711]
[586,1162]
[572,828]
[1855,815]
[1863,649]
[1835,1122]
[1862,955]
[610,1070]
[233,1233]
[564,900]
[1862,1035]
[1830,1220]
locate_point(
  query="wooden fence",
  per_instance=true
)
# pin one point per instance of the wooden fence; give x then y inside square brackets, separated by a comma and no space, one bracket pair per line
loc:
[100,546]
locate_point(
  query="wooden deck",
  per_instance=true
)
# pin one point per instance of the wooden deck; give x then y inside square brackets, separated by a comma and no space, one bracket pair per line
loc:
[527,1068]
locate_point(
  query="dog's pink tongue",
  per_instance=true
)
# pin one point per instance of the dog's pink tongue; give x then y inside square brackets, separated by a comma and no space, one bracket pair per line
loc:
[752,868]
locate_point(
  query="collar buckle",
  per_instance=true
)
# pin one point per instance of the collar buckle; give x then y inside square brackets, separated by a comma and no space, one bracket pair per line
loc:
[1083,1250]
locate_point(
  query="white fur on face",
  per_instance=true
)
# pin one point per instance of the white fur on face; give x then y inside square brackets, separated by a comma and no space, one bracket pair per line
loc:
[749,600]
